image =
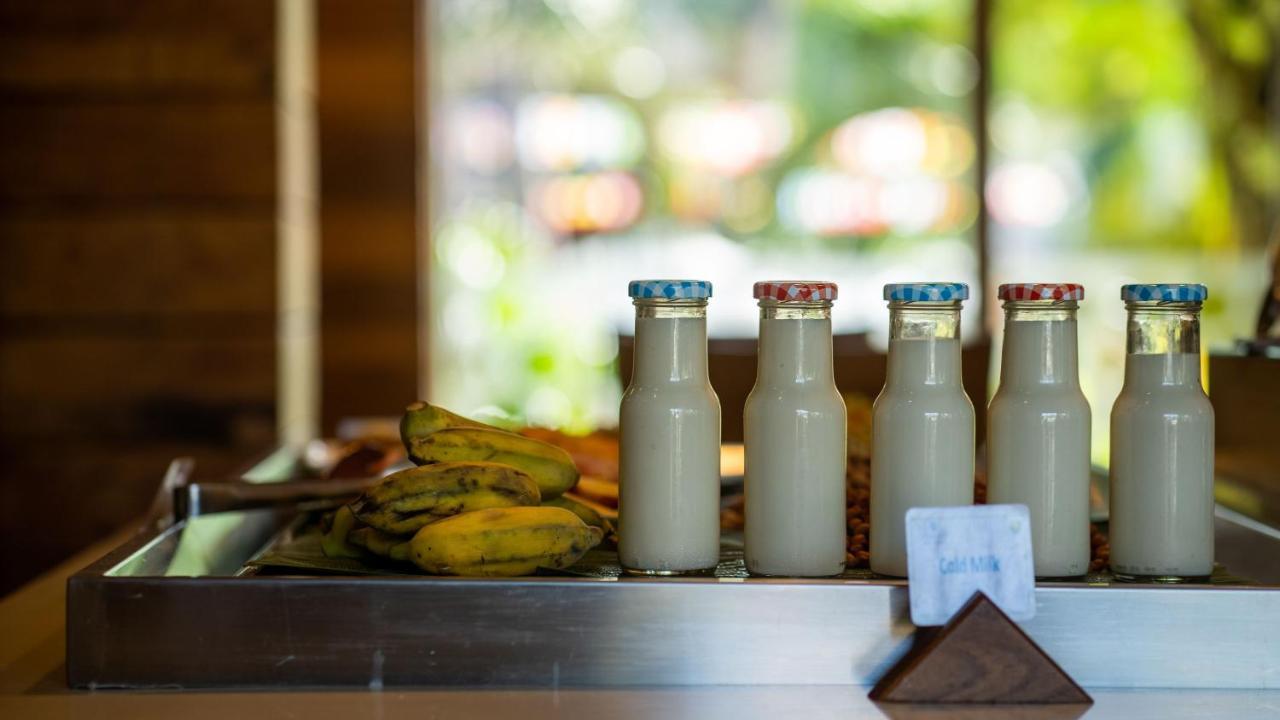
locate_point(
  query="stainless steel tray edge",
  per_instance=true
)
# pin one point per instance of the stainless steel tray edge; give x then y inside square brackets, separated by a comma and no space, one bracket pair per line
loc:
[282,631]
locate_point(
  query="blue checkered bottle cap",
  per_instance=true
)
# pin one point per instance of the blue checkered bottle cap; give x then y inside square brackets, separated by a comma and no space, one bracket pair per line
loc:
[926,292]
[670,289]
[1164,292]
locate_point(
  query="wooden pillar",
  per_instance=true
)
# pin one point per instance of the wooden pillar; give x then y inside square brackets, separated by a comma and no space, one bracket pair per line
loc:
[369,263]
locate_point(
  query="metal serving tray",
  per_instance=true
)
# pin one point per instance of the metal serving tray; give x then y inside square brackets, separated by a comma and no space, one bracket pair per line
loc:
[175,607]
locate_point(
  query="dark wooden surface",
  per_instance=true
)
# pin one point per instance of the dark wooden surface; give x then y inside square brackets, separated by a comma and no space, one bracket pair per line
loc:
[367,90]
[921,711]
[137,258]
[979,656]
[1246,401]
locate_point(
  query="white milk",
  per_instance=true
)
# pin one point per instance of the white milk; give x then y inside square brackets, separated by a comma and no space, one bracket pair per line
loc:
[922,443]
[794,426]
[669,472]
[1038,442]
[1162,469]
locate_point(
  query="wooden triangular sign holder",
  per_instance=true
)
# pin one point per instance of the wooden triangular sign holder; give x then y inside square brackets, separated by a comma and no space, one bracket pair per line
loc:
[979,656]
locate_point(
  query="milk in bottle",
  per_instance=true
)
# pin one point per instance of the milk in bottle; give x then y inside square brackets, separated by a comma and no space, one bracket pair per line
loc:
[1162,426]
[669,464]
[794,426]
[922,427]
[1038,439]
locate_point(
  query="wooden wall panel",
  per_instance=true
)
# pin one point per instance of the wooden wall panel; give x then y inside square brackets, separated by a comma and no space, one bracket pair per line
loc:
[152,151]
[137,257]
[132,60]
[368,186]
[151,263]
[134,386]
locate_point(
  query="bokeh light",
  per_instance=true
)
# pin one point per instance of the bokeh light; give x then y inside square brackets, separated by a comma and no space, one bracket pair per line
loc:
[639,72]
[728,138]
[482,135]
[588,203]
[902,142]
[897,172]
[557,133]
[1024,194]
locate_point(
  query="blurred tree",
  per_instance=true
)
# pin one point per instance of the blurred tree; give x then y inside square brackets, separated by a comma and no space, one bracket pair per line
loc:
[1239,43]
[1123,84]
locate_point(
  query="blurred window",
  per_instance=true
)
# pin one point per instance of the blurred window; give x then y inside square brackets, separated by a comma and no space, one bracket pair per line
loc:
[578,144]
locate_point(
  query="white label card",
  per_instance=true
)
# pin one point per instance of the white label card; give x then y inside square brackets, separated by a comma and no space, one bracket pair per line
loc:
[953,552]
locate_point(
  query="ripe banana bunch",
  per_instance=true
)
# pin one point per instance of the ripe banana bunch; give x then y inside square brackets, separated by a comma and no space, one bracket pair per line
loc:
[548,465]
[472,507]
[337,531]
[422,418]
[503,542]
[379,543]
[405,501]
[586,513]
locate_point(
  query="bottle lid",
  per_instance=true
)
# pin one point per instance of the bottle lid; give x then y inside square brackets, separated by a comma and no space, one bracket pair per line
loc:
[670,289]
[926,291]
[795,290]
[1164,292]
[1041,291]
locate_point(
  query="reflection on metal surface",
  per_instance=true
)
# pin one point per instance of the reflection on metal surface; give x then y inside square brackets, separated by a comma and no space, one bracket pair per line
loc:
[542,631]
[1249,548]
[205,546]
[279,465]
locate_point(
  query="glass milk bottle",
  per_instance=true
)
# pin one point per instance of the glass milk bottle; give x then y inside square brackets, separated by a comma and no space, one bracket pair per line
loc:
[794,425]
[669,464]
[922,423]
[1038,439]
[1162,442]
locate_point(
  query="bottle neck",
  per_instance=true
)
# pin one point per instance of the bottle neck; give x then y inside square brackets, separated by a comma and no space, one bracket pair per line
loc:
[795,344]
[1040,345]
[1159,328]
[1163,345]
[924,344]
[671,342]
[921,320]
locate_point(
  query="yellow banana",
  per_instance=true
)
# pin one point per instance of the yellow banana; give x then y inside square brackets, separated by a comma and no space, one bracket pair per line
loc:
[503,542]
[421,419]
[377,542]
[403,502]
[549,466]
[337,532]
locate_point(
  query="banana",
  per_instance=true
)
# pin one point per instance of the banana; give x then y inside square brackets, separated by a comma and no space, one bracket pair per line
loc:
[337,532]
[597,490]
[377,542]
[586,513]
[551,467]
[404,501]
[503,542]
[421,419]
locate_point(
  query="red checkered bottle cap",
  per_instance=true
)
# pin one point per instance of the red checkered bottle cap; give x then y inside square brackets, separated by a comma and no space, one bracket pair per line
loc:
[795,290]
[1041,291]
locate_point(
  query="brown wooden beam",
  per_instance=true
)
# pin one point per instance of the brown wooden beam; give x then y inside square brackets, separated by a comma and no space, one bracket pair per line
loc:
[369,264]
